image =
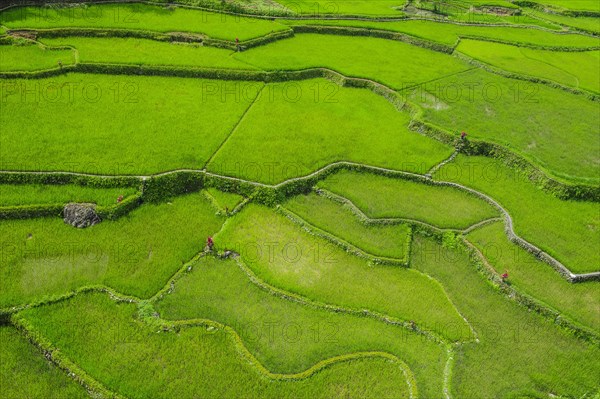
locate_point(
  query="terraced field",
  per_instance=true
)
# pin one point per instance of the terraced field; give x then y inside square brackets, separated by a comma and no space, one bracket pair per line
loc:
[300,199]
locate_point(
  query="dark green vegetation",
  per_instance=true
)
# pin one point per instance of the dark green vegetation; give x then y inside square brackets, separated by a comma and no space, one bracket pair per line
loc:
[320,160]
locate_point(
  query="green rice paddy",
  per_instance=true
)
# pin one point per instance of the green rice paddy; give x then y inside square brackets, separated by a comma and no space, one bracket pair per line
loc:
[300,199]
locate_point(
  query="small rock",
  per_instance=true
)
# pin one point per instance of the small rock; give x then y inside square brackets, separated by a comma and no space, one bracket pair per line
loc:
[81,215]
[229,254]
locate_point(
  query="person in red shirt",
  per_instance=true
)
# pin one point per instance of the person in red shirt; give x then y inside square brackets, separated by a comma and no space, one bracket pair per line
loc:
[463,135]
[505,275]
[210,243]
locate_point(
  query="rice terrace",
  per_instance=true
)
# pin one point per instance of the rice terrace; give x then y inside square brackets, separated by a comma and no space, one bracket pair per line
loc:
[300,199]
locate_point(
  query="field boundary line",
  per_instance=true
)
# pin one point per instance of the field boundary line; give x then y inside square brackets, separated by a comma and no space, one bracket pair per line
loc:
[440,165]
[244,352]
[305,301]
[61,361]
[590,95]
[481,224]
[293,16]
[570,190]
[343,244]
[545,310]
[368,221]
[97,389]
[334,167]
[237,124]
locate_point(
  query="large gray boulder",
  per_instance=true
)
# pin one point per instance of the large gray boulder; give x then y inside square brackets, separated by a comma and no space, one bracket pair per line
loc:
[81,215]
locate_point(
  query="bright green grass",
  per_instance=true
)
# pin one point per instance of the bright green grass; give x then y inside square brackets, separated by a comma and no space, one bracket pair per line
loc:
[105,339]
[60,194]
[383,240]
[394,63]
[24,373]
[32,57]
[285,256]
[580,302]
[387,197]
[576,5]
[449,33]
[135,255]
[227,201]
[575,69]
[567,230]
[148,52]
[290,337]
[296,128]
[586,23]
[484,18]
[345,7]
[138,16]
[153,124]
[554,129]
[519,353]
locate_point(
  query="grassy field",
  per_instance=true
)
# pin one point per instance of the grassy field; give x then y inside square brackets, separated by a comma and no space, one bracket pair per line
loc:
[449,33]
[31,57]
[325,280]
[136,254]
[225,200]
[381,59]
[282,254]
[575,69]
[138,16]
[105,339]
[386,197]
[59,194]
[568,230]
[24,373]
[337,219]
[290,337]
[345,7]
[533,120]
[576,5]
[487,18]
[585,23]
[295,128]
[148,52]
[580,302]
[153,124]
[519,354]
